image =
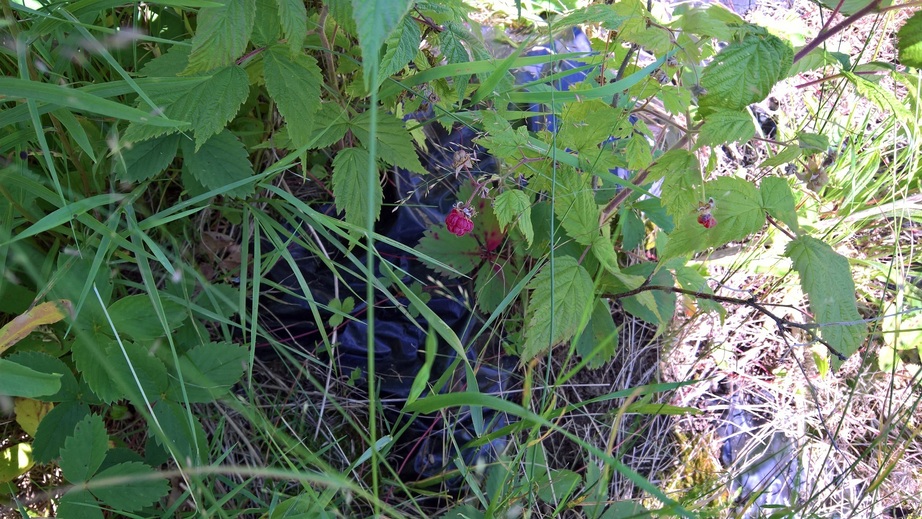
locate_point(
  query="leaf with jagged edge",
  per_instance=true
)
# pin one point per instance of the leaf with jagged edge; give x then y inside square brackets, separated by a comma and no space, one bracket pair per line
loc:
[136,488]
[738,212]
[222,35]
[142,160]
[395,145]
[84,450]
[560,298]
[293,16]
[725,126]
[375,20]
[266,28]
[350,185]
[884,99]
[909,41]
[514,206]
[778,200]
[294,83]
[744,72]
[460,253]
[681,174]
[600,334]
[220,161]
[402,47]
[575,205]
[827,280]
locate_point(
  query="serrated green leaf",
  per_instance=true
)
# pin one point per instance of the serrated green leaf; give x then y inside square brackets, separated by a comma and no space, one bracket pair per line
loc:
[111,377]
[222,35]
[848,7]
[132,488]
[293,16]
[560,298]
[402,46]
[681,174]
[555,486]
[375,20]
[492,283]
[142,160]
[169,64]
[335,125]
[294,84]
[209,371]
[744,72]
[221,161]
[778,200]
[827,280]
[576,207]
[55,427]
[691,279]
[738,213]
[883,98]
[79,504]
[395,145]
[814,142]
[186,440]
[84,450]
[209,106]
[584,124]
[501,140]
[460,253]
[451,45]
[266,27]
[909,41]
[350,185]
[342,13]
[600,338]
[47,365]
[511,206]
[724,126]
[675,99]
[135,317]
[603,14]
[19,380]
[638,153]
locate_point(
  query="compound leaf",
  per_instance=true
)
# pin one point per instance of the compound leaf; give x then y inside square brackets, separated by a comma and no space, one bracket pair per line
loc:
[293,16]
[221,161]
[209,370]
[723,126]
[511,206]
[132,487]
[395,145]
[211,104]
[778,200]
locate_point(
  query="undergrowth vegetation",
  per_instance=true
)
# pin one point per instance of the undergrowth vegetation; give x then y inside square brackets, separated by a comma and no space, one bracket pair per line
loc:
[202,201]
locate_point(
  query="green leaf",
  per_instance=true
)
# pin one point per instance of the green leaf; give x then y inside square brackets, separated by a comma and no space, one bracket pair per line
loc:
[682,182]
[132,488]
[421,380]
[56,95]
[294,84]
[909,41]
[814,142]
[210,105]
[827,280]
[209,371]
[738,213]
[266,27]
[576,207]
[142,160]
[19,380]
[723,126]
[395,145]
[402,46]
[744,72]
[335,125]
[375,20]
[135,317]
[55,427]
[342,13]
[605,15]
[15,460]
[460,253]
[556,486]
[221,161]
[169,64]
[560,298]
[79,504]
[513,205]
[778,200]
[187,440]
[883,98]
[350,185]
[222,35]
[848,7]
[293,16]
[49,369]
[451,45]
[110,376]
[584,124]
[788,154]
[85,450]
[600,338]
[655,307]
[76,132]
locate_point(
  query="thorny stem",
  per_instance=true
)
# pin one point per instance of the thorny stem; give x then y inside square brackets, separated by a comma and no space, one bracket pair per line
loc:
[784,325]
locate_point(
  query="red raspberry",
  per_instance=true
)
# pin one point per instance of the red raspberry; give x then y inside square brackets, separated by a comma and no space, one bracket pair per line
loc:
[707,220]
[458,223]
